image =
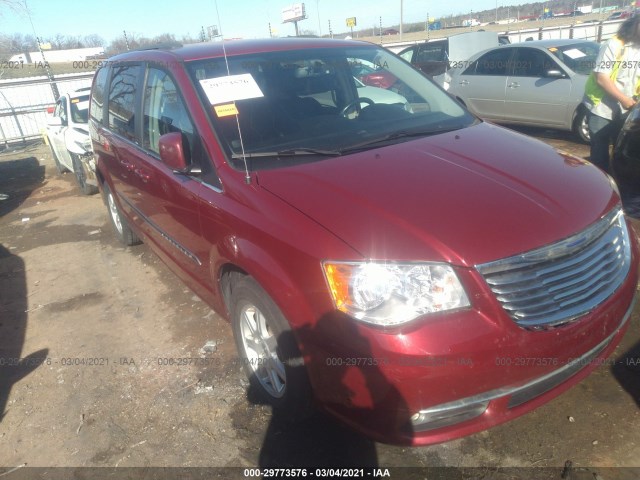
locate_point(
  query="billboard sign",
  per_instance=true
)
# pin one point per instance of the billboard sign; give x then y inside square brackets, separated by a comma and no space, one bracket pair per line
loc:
[294,13]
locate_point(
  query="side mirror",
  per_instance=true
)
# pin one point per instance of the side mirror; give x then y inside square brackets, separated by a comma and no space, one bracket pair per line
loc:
[554,74]
[172,152]
[54,121]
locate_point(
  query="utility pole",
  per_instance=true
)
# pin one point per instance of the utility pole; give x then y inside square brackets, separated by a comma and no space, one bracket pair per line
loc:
[401,7]
[318,11]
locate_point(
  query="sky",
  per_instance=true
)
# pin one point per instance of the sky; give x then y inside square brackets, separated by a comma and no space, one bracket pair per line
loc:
[237,18]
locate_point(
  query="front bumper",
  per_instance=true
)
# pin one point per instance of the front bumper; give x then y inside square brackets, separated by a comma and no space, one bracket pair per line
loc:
[471,407]
[455,374]
[88,163]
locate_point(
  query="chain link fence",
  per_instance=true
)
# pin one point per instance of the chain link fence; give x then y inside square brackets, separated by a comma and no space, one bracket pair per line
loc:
[24,103]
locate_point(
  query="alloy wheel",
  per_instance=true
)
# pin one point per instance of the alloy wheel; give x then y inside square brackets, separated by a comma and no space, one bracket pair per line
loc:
[260,349]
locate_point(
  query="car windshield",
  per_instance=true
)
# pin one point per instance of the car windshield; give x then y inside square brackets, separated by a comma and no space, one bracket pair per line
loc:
[308,102]
[80,109]
[579,57]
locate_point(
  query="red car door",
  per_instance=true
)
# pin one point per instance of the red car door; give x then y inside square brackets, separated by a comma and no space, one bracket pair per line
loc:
[167,200]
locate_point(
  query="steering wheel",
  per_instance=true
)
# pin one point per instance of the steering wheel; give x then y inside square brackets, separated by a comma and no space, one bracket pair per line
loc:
[355,103]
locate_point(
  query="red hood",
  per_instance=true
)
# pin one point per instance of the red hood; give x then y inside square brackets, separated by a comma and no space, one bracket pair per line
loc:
[465,197]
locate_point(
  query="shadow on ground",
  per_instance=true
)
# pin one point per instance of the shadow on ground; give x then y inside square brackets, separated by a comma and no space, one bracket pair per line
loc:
[18,179]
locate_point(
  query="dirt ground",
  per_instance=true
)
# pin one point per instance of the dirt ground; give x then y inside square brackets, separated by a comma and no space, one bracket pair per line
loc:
[91,337]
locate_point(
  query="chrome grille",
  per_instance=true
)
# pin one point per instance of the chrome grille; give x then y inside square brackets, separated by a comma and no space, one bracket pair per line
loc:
[560,282]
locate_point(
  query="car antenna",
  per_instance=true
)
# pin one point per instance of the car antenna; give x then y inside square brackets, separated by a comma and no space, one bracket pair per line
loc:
[247,177]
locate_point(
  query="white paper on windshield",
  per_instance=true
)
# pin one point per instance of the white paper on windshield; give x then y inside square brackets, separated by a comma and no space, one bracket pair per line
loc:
[574,53]
[83,105]
[231,88]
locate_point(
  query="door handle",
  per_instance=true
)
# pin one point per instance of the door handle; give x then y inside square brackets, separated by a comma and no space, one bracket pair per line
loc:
[464,82]
[143,174]
[129,166]
[513,85]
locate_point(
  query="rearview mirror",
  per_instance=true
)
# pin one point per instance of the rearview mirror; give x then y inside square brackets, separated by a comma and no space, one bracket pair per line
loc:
[172,152]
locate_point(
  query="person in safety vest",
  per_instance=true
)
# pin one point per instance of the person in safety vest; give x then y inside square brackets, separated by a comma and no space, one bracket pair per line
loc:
[612,89]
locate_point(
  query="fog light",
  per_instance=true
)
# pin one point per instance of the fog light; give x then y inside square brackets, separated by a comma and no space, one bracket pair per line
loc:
[447,414]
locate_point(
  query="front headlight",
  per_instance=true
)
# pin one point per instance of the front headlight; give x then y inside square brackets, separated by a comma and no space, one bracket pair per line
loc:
[84,145]
[389,294]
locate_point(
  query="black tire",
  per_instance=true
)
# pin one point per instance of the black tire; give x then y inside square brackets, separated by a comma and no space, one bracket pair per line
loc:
[580,126]
[81,178]
[270,356]
[120,225]
[59,167]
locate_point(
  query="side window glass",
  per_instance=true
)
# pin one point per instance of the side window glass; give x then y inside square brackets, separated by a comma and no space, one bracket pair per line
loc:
[63,110]
[97,95]
[494,63]
[122,100]
[164,111]
[431,53]
[408,55]
[529,62]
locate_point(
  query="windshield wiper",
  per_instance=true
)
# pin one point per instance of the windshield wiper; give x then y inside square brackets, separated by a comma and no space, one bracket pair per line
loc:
[291,152]
[397,135]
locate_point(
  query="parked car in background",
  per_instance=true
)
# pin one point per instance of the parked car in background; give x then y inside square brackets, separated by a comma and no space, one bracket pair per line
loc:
[436,56]
[625,164]
[620,15]
[372,74]
[538,83]
[416,272]
[68,138]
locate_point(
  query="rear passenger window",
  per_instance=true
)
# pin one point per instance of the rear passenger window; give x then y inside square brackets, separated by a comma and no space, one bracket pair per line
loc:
[97,95]
[122,100]
[434,52]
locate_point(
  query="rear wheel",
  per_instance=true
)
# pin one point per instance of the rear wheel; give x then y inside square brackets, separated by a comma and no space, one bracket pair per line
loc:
[123,231]
[268,351]
[81,177]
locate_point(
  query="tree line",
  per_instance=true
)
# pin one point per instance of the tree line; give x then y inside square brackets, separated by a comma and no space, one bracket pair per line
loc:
[20,43]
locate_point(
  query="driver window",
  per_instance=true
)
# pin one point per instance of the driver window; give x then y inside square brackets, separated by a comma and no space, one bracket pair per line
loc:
[164,112]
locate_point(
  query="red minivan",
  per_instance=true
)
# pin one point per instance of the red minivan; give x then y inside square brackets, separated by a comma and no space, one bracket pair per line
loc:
[392,259]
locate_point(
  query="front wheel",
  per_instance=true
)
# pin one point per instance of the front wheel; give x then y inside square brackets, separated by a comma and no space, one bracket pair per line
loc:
[81,177]
[123,231]
[581,125]
[267,349]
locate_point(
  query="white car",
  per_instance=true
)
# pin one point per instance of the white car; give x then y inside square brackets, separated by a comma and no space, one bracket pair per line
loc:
[68,137]
[538,83]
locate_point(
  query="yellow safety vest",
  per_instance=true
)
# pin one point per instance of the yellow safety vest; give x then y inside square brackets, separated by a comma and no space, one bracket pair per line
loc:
[594,92]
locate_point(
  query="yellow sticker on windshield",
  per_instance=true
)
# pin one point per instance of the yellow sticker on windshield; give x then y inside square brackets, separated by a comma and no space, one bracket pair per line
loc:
[75,100]
[553,49]
[226,110]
